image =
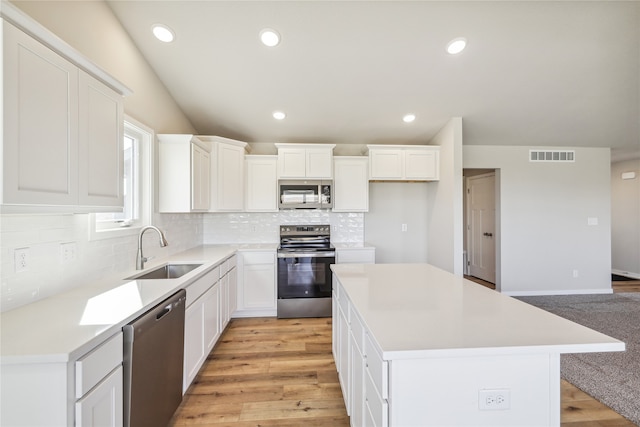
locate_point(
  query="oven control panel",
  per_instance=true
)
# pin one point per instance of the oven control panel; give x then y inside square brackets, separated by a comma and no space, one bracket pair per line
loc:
[305,230]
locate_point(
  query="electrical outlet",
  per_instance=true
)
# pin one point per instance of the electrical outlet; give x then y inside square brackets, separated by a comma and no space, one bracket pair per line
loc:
[404,227]
[21,259]
[494,399]
[68,252]
[575,274]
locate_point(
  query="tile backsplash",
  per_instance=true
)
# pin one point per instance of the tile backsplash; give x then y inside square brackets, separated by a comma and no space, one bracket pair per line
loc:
[49,273]
[259,227]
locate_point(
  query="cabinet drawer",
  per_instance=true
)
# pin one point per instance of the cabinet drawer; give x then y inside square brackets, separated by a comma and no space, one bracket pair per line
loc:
[376,367]
[95,365]
[377,407]
[232,262]
[200,286]
[258,257]
[357,330]
[103,406]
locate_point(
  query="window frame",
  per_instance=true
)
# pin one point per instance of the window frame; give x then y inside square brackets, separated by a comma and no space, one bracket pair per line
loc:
[145,185]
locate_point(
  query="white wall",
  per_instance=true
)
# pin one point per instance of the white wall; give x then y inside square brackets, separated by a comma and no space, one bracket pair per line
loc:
[544,207]
[445,216]
[625,219]
[91,28]
[392,204]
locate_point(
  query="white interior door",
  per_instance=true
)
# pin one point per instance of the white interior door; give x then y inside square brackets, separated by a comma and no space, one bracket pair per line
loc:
[481,249]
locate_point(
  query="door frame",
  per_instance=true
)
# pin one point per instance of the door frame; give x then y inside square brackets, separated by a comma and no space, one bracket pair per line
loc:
[470,172]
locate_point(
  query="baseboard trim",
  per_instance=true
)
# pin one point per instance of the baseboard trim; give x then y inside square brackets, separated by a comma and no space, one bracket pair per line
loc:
[558,292]
[255,313]
[629,274]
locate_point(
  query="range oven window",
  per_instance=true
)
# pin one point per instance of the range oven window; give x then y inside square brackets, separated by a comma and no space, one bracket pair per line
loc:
[304,277]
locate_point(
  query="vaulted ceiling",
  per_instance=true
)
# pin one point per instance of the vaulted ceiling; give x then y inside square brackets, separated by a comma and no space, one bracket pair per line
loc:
[540,73]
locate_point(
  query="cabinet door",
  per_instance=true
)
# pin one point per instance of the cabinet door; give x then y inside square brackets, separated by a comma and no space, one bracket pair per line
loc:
[40,137]
[421,164]
[319,163]
[292,163]
[230,173]
[357,384]
[262,184]
[233,291]
[386,164]
[343,360]
[101,132]
[259,287]
[200,178]
[102,406]
[351,184]
[194,346]
[211,327]
[224,301]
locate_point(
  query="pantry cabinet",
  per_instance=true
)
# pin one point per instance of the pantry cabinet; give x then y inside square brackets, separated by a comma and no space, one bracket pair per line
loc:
[63,128]
[184,173]
[351,184]
[299,161]
[261,184]
[404,162]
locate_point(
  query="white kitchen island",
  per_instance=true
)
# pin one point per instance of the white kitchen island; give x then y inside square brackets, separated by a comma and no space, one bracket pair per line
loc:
[418,346]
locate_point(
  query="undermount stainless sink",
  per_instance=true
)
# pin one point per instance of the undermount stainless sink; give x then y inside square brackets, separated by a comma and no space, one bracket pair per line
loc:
[168,271]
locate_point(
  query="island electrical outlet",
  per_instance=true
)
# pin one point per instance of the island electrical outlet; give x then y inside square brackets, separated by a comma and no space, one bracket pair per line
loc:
[494,399]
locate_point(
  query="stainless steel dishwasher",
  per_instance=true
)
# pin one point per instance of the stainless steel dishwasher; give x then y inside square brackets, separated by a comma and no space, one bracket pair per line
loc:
[153,358]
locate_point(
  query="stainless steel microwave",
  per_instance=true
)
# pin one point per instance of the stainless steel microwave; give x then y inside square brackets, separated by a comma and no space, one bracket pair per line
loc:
[305,194]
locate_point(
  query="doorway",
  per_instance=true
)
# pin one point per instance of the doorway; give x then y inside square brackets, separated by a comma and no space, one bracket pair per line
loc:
[482,224]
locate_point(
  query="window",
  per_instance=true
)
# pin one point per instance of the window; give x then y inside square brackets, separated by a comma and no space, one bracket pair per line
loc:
[138,143]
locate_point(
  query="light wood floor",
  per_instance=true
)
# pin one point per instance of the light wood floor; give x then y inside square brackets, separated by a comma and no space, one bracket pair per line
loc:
[267,372]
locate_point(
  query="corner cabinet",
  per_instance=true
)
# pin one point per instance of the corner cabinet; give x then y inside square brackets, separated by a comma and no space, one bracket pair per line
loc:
[227,178]
[296,161]
[404,162]
[261,184]
[351,184]
[63,127]
[184,173]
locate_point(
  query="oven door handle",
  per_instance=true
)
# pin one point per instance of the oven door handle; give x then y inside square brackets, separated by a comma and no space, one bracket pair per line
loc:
[306,255]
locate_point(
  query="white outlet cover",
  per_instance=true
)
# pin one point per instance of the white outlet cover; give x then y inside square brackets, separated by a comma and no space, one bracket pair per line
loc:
[494,399]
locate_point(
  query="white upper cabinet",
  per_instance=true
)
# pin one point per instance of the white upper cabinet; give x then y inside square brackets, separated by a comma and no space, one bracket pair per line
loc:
[404,162]
[227,178]
[351,184]
[62,127]
[299,161]
[261,185]
[184,166]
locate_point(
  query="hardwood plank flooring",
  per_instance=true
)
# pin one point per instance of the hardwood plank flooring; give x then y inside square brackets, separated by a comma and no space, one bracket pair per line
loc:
[268,372]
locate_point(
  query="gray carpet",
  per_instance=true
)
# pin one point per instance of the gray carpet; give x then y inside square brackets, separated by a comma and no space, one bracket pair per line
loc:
[612,378]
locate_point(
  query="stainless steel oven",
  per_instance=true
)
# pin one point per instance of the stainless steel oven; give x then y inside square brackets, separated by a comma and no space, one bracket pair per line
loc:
[304,273]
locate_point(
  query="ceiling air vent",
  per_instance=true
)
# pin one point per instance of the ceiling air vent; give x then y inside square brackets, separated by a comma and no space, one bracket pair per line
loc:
[552,156]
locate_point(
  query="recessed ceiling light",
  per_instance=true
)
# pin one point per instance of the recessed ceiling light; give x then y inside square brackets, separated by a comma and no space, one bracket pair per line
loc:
[269,37]
[163,33]
[408,118]
[456,45]
[279,115]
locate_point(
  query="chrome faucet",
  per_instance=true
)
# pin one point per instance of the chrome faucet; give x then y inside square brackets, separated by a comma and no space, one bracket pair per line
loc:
[140,259]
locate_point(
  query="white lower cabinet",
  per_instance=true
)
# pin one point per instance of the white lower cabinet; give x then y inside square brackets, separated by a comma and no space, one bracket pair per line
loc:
[201,323]
[102,406]
[362,373]
[257,283]
[210,304]
[99,386]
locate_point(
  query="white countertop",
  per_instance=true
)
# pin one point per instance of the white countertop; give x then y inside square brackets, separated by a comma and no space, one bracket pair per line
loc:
[352,245]
[65,326]
[418,310]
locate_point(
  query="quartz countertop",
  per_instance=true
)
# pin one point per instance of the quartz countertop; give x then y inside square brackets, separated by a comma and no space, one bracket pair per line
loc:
[418,310]
[62,327]
[352,245]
